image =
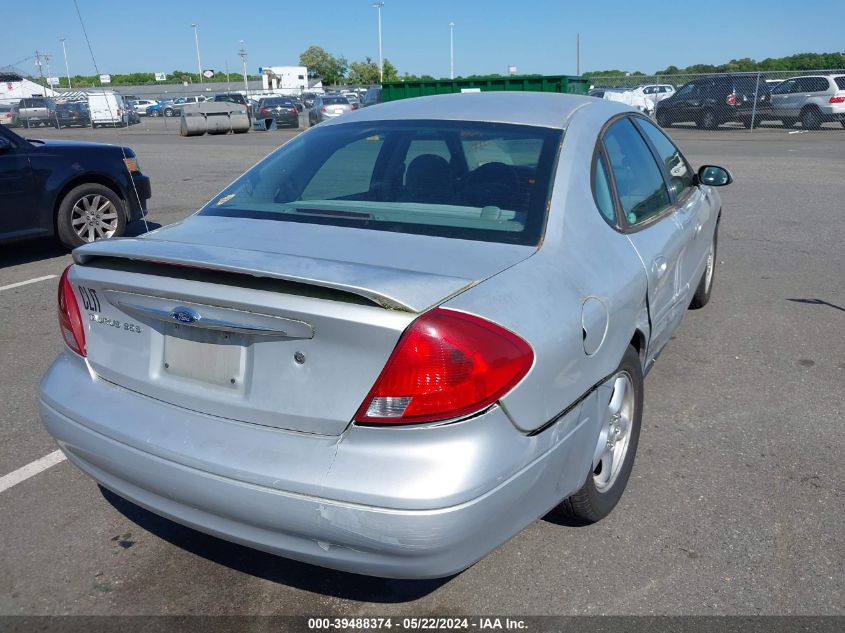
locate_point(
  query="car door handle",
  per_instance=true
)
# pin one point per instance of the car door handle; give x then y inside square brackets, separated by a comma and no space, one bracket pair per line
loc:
[659,266]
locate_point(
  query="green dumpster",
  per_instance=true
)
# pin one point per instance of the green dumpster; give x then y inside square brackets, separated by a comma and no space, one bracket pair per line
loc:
[394,90]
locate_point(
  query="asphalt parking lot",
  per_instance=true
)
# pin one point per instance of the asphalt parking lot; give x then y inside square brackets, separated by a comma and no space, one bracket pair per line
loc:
[735,505]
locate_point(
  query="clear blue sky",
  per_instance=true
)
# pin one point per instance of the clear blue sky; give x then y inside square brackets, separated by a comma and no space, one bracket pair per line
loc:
[538,36]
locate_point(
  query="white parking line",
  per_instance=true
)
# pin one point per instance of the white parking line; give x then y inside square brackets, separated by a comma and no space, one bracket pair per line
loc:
[30,470]
[28,281]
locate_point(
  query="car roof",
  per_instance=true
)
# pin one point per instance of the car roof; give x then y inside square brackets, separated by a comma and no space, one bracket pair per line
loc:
[541,109]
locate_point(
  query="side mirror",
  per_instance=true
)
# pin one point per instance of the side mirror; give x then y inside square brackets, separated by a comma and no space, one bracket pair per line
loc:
[5,145]
[714,176]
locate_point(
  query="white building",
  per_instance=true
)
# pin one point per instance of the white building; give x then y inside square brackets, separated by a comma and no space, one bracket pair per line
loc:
[13,88]
[284,79]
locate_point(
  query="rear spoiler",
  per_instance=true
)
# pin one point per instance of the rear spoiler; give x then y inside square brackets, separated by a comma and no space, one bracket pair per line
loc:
[391,288]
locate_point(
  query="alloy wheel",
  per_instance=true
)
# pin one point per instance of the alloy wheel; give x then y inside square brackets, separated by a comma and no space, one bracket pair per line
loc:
[615,434]
[94,217]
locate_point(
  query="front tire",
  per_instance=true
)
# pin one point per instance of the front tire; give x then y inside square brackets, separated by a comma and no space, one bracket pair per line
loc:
[616,447]
[707,120]
[663,119]
[705,284]
[88,213]
[811,119]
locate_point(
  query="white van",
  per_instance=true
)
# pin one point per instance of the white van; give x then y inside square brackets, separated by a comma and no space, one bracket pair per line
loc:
[107,108]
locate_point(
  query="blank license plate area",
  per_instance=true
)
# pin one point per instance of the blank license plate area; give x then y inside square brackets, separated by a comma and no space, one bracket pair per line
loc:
[207,356]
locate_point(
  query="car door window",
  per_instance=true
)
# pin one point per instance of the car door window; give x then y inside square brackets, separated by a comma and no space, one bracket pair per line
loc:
[680,175]
[640,186]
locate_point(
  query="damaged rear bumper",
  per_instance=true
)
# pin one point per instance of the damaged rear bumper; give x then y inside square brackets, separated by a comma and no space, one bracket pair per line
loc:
[425,503]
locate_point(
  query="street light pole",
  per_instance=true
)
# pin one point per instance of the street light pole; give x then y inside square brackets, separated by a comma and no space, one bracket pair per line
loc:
[197,43]
[451,50]
[379,5]
[67,71]
[242,53]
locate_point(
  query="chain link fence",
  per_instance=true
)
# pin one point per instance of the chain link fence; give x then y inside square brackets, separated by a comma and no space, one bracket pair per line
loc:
[785,100]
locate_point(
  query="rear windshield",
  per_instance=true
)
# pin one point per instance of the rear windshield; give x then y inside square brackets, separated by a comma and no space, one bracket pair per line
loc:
[466,180]
[840,82]
[335,100]
[277,102]
[750,85]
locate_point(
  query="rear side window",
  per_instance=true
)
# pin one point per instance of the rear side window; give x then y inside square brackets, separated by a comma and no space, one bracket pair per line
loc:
[840,82]
[813,84]
[461,179]
[639,181]
[602,192]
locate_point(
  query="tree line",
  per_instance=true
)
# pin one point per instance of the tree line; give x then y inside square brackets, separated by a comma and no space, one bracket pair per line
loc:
[797,62]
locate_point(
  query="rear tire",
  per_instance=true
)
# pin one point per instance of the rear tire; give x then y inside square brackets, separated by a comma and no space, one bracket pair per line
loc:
[705,284]
[617,440]
[663,119]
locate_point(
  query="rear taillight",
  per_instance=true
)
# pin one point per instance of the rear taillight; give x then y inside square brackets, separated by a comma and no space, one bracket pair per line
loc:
[731,100]
[323,109]
[70,319]
[447,364]
[293,109]
[837,100]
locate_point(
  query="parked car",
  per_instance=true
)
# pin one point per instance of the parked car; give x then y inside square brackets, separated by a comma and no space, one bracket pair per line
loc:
[9,115]
[281,109]
[235,97]
[79,191]
[371,97]
[132,114]
[174,107]
[347,356]
[811,99]
[328,107]
[108,109]
[352,98]
[308,99]
[157,109]
[72,114]
[655,92]
[711,101]
[36,111]
[141,106]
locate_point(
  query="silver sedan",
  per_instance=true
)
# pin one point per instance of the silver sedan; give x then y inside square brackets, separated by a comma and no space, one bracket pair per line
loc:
[399,339]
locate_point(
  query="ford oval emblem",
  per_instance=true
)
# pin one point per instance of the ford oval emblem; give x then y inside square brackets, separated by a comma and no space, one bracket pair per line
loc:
[185,315]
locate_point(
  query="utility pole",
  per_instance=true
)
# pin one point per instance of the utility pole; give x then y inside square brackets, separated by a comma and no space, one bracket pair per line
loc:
[578,54]
[67,70]
[379,5]
[227,78]
[40,72]
[242,53]
[197,43]
[451,50]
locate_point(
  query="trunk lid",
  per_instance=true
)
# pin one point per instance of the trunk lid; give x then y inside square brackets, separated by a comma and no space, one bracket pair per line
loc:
[290,332]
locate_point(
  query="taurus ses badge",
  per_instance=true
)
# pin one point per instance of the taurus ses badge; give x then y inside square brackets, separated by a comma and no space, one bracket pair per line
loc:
[185,315]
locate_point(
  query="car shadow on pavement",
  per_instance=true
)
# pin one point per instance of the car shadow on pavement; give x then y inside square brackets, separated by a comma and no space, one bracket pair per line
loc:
[817,302]
[30,251]
[275,568]
[36,250]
